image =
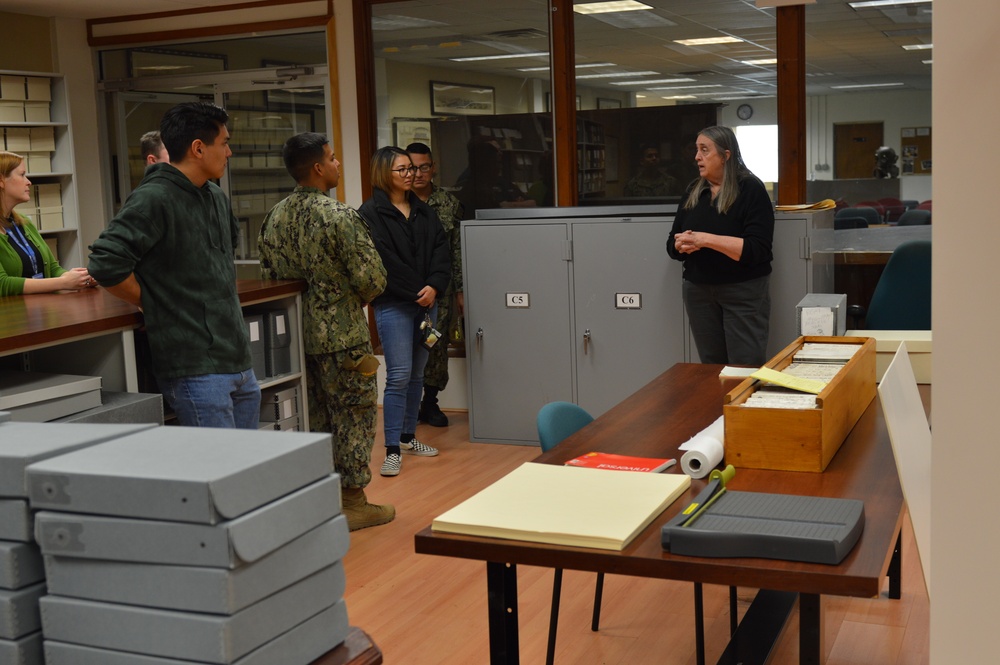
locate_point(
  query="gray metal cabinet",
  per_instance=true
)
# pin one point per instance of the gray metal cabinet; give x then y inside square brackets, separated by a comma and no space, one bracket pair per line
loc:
[573,304]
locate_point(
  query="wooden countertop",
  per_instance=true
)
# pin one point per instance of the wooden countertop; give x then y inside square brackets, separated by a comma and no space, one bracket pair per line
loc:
[45,319]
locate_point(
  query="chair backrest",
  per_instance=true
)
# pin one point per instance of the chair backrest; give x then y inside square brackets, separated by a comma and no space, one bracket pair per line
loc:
[926,205]
[849,223]
[871,215]
[872,204]
[915,217]
[557,420]
[902,297]
[910,203]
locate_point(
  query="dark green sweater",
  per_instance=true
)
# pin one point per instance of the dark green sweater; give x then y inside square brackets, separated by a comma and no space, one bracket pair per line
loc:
[179,240]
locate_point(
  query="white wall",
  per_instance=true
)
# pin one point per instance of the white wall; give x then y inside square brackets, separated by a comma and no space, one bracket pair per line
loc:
[965,533]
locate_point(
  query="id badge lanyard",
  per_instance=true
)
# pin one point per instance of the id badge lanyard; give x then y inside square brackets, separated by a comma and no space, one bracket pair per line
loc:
[18,238]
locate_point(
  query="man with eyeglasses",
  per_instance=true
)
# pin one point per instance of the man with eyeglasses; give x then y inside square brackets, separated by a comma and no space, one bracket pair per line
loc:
[449,212]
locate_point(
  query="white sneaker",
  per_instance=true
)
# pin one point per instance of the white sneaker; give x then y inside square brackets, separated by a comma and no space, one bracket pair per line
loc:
[414,447]
[390,467]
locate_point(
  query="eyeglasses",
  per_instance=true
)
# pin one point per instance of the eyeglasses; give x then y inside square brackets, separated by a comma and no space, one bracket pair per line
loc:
[404,171]
[424,168]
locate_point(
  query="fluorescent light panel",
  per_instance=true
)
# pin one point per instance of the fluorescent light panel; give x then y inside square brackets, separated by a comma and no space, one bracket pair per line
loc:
[866,85]
[505,56]
[687,87]
[609,7]
[870,4]
[584,66]
[677,80]
[918,47]
[616,75]
[761,61]
[705,41]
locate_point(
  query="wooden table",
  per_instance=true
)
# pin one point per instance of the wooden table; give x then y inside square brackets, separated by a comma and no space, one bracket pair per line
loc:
[653,422]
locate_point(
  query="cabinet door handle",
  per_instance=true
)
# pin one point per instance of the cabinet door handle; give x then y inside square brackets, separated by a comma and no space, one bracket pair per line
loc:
[479,338]
[586,340]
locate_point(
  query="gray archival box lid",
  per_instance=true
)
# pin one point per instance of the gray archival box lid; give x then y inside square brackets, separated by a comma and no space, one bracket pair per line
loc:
[212,638]
[184,474]
[15,520]
[22,444]
[199,588]
[299,646]
[20,565]
[227,545]
[24,651]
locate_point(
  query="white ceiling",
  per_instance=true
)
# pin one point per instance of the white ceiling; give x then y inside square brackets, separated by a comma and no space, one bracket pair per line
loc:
[843,46]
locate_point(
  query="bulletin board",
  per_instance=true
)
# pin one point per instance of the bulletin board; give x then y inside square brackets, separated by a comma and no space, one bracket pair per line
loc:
[915,144]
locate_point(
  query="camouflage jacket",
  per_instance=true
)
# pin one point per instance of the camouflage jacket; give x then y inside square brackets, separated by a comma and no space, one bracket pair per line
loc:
[449,212]
[313,237]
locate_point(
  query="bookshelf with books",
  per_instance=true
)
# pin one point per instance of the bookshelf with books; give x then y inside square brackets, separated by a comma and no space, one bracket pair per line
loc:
[34,123]
[590,149]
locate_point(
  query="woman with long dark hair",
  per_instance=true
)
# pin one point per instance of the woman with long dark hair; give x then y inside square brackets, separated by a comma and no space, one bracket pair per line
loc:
[414,250]
[723,234]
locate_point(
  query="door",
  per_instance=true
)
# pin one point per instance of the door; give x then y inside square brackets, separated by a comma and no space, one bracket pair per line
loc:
[854,146]
[517,330]
[629,325]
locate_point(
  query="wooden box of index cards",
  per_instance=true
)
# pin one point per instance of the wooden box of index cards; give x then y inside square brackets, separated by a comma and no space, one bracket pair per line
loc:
[800,439]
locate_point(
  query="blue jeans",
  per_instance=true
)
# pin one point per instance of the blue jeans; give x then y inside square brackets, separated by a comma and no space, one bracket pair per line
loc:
[214,400]
[399,330]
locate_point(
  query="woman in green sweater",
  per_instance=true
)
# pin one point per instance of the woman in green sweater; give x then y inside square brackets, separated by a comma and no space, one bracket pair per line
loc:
[26,262]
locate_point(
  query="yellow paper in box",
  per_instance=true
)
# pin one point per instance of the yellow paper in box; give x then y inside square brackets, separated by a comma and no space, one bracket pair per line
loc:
[562,505]
[769,375]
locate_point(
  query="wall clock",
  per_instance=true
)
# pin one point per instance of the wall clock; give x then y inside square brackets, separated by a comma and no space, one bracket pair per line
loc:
[744,111]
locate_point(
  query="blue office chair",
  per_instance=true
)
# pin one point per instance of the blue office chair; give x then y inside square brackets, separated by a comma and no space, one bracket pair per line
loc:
[556,421]
[914,217]
[902,297]
[849,223]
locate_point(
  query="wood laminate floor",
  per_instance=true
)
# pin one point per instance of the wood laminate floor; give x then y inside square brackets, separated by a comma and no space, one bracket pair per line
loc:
[429,610]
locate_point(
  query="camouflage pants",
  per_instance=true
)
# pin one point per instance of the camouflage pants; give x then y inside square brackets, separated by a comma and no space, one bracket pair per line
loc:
[344,403]
[436,371]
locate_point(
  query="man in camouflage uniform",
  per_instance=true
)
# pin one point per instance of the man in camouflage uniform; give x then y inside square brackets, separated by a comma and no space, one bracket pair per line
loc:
[314,237]
[449,212]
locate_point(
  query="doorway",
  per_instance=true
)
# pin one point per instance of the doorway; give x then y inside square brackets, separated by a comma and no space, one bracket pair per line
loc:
[854,146]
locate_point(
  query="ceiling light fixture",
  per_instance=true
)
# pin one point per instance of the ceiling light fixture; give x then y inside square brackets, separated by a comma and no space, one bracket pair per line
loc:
[616,75]
[687,87]
[584,66]
[506,56]
[866,85]
[653,82]
[918,47]
[705,41]
[870,4]
[761,61]
[927,62]
[682,97]
[609,7]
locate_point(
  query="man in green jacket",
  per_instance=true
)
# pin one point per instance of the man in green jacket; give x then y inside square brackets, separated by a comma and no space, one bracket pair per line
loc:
[310,236]
[170,251]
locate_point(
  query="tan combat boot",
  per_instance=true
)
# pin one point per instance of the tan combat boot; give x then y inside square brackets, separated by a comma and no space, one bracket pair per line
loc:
[361,514]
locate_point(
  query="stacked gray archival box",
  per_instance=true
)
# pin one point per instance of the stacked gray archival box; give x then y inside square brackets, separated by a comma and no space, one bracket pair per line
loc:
[21,572]
[192,546]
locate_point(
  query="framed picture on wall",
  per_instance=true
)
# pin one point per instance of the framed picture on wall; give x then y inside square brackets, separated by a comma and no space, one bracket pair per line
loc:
[411,130]
[606,103]
[461,99]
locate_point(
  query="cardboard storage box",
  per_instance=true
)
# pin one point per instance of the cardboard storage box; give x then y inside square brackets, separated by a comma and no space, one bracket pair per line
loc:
[11,111]
[189,474]
[20,565]
[37,112]
[22,444]
[24,651]
[918,347]
[43,139]
[200,637]
[13,87]
[38,88]
[15,520]
[277,404]
[18,139]
[255,329]
[227,545]
[284,425]
[199,588]
[822,314]
[19,611]
[277,342]
[119,407]
[301,645]
[39,162]
[800,439]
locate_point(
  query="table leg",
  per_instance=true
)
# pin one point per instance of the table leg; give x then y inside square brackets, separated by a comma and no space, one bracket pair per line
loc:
[699,625]
[896,569]
[760,628]
[501,584]
[810,629]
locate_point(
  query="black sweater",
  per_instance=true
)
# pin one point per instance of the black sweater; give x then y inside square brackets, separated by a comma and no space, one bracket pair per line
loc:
[414,251]
[751,217]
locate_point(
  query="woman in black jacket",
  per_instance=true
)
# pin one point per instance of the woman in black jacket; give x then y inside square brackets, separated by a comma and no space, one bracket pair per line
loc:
[414,249]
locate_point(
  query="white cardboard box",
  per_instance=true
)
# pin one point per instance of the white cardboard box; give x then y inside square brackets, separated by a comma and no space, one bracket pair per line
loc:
[39,88]
[23,444]
[301,645]
[185,474]
[42,138]
[18,139]
[227,545]
[210,638]
[11,111]
[918,347]
[37,112]
[19,611]
[20,565]
[196,588]
[13,87]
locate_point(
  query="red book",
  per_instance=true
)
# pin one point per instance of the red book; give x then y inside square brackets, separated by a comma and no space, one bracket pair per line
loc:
[622,462]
